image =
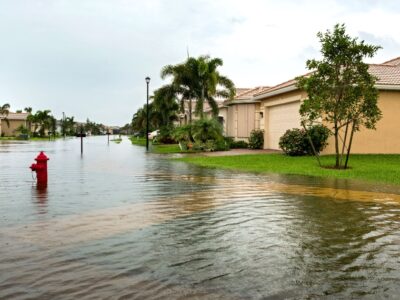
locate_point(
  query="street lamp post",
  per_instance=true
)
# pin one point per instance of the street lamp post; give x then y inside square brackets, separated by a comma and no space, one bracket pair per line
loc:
[147,114]
[63,125]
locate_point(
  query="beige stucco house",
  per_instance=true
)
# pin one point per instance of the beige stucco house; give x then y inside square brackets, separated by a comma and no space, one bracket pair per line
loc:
[15,120]
[276,109]
[243,114]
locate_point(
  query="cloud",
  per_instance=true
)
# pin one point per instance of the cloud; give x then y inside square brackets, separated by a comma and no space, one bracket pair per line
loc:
[89,57]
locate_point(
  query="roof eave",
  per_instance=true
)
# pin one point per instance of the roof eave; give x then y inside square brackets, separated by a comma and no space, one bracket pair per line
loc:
[286,89]
[390,87]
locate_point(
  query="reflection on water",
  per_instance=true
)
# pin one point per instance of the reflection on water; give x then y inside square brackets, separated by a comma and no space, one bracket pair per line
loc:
[123,224]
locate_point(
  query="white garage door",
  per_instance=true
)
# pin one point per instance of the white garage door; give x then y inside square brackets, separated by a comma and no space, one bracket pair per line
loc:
[281,118]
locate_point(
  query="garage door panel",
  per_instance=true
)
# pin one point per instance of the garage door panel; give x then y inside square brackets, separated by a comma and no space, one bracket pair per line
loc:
[281,118]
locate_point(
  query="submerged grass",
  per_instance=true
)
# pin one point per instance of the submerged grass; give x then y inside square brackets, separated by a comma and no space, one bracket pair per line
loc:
[384,168]
[158,148]
[117,141]
[13,138]
[138,141]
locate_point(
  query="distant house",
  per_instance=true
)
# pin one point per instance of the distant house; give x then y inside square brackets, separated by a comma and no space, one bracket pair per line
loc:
[15,121]
[243,114]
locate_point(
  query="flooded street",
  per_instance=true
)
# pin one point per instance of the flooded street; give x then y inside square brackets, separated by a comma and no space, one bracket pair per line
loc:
[118,223]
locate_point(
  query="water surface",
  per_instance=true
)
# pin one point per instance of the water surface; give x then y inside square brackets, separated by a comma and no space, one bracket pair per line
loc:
[117,223]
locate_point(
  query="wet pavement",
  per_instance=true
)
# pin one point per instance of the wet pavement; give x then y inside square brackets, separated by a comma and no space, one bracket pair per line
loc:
[117,223]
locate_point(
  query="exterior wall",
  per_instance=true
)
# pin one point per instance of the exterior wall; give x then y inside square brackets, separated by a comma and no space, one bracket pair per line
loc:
[242,119]
[386,137]
[12,129]
[223,113]
[231,122]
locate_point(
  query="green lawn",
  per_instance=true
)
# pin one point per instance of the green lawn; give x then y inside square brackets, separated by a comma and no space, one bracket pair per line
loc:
[138,141]
[157,148]
[117,141]
[377,168]
[165,149]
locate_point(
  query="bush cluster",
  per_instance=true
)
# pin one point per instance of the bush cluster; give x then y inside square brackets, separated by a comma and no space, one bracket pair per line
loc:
[240,145]
[203,135]
[165,136]
[232,144]
[256,140]
[295,142]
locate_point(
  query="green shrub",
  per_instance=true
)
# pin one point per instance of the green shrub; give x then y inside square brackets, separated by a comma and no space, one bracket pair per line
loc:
[165,136]
[239,145]
[295,142]
[319,135]
[256,140]
[206,129]
[182,133]
[198,146]
[221,145]
[229,140]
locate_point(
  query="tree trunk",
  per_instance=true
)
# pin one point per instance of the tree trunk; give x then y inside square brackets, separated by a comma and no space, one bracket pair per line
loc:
[350,142]
[337,165]
[312,144]
[344,143]
[201,104]
[190,111]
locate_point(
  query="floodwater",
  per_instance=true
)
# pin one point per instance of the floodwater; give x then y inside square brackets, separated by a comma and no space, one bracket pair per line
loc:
[118,223]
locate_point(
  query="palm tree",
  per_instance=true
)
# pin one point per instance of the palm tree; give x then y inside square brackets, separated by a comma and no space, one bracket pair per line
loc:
[207,129]
[165,105]
[42,120]
[4,111]
[28,119]
[209,83]
[199,79]
[181,84]
[140,117]
[69,125]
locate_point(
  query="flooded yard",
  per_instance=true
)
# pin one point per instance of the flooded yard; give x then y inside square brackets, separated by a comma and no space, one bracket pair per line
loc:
[117,223]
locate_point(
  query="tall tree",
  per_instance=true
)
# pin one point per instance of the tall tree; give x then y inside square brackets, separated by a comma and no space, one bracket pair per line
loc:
[4,111]
[340,89]
[29,123]
[208,83]
[140,118]
[165,105]
[42,120]
[181,85]
[198,79]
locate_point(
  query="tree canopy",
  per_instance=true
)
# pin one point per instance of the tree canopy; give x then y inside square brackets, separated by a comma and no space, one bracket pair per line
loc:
[341,91]
[199,79]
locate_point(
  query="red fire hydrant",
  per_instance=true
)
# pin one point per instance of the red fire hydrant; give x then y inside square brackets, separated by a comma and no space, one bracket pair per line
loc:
[41,169]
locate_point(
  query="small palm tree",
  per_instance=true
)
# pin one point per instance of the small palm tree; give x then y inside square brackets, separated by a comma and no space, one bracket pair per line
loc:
[4,111]
[207,129]
[165,105]
[182,82]
[28,119]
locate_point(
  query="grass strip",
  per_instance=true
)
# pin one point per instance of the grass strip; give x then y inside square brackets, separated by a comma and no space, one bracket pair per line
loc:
[382,168]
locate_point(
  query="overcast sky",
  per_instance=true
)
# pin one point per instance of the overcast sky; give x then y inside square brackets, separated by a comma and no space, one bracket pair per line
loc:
[89,58]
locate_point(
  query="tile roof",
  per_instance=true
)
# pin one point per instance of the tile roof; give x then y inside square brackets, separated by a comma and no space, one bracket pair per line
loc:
[241,90]
[392,62]
[15,116]
[388,73]
[251,92]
